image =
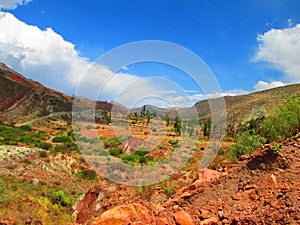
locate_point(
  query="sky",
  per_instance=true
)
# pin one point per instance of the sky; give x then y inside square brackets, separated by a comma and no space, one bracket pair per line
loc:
[247,46]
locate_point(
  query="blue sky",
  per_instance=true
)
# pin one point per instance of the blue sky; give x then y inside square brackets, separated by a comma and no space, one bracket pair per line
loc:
[248,45]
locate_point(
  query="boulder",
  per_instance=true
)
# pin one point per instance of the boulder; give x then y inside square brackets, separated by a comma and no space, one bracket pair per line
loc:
[124,213]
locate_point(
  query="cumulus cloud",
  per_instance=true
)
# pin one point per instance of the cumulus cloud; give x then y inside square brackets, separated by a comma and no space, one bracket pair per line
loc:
[281,49]
[44,56]
[262,85]
[12,4]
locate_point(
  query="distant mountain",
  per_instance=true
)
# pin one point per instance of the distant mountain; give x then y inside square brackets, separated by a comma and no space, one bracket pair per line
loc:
[22,99]
[251,106]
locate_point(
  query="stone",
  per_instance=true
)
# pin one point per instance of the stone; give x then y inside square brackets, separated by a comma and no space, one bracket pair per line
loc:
[204,214]
[121,214]
[183,218]
[210,221]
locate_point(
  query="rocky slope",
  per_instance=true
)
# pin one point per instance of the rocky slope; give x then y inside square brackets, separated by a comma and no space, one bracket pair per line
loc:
[262,188]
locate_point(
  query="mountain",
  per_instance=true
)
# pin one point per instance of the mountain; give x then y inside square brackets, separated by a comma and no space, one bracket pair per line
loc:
[251,106]
[22,99]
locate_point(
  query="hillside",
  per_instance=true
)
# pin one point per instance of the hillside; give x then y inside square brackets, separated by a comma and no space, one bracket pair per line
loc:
[22,99]
[251,106]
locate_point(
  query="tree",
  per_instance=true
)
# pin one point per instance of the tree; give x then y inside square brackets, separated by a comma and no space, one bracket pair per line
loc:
[177,126]
[280,124]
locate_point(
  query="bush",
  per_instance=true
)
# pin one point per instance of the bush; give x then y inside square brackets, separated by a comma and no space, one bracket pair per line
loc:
[65,148]
[168,189]
[281,123]
[246,142]
[64,139]
[130,158]
[141,151]
[88,174]
[25,128]
[59,197]
[175,143]
[43,154]
[277,148]
[46,145]
[115,153]
[143,160]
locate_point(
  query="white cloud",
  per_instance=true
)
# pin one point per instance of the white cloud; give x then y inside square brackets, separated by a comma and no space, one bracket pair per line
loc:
[262,85]
[281,48]
[44,56]
[12,4]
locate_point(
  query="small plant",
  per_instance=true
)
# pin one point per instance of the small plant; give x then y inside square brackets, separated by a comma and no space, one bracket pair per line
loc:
[59,197]
[143,160]
[45,145]
[64,139]
[277,148]
[115,153]
[88,174]
[43,154]
[141,151]
[169,190]
[25,128]
[130,158]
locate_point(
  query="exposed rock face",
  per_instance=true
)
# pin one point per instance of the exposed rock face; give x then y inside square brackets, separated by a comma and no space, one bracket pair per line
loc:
[124,214]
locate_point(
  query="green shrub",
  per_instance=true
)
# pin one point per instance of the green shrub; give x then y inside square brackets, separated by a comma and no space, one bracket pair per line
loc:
[130,158]
[141,151]
[280,124]
[25,128]
[202,148]
[43,154]
[143,160]
[168,189]
[88,174]
[65,148]
[277,148]
[115,153]
[175,143]
[246,142]
[103,153]
[59,197]
[112,143]
[27,139]
[64,139]
[46,145]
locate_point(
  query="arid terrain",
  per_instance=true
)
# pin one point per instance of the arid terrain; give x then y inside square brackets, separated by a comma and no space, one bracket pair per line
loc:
[45,178]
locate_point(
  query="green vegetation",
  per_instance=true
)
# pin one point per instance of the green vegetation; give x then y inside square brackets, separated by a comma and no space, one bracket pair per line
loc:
[141,151]
[280,124]
[277,148]
[168,189]
[58,196]
[245,143]
[45,145]
[88,174]
[64,139]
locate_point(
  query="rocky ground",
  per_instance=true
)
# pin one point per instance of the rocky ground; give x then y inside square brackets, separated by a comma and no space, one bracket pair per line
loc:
[262,188]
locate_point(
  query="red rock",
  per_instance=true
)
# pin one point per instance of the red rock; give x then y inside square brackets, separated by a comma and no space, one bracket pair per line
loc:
[204,214]
[120,214]
[275,204]
[183,218]
[210,221]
